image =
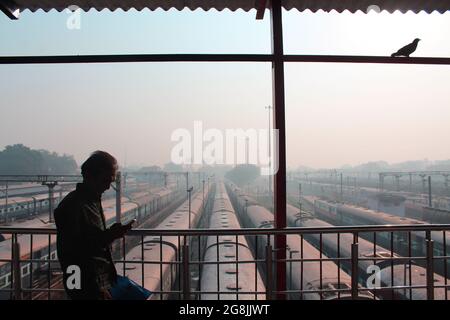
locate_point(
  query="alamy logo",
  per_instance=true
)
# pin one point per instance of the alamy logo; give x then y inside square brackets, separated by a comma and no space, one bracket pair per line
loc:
[373,8]
[232,146]
[374,280]
[74,20]
[73,281]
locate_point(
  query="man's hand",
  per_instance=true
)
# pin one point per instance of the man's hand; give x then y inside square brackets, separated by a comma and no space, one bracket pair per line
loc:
[118,230]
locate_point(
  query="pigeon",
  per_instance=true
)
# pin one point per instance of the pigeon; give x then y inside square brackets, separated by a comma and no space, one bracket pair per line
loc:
[407,50]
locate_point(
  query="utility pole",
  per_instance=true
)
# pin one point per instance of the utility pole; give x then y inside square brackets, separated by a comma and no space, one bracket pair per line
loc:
[423,182]
[300,197]
[397,182]
[6,203]
[125,181]
[430,202]
[410,182]
[189,197]
[270,152]
[187,181]
[118,197]
[246,150]
[50,186]
[381,181]
[203,181]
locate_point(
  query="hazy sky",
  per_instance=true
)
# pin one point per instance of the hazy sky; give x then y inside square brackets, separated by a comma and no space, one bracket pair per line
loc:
[336,113]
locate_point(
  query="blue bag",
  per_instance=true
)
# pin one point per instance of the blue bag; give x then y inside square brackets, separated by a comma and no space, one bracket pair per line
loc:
[127,289]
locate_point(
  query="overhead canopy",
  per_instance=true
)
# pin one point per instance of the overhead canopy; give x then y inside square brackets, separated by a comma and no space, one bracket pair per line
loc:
[13,7]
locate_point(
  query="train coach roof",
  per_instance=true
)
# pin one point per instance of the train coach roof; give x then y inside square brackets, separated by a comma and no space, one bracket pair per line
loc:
[382,216]
[261,213]
[14,200]
[39,242]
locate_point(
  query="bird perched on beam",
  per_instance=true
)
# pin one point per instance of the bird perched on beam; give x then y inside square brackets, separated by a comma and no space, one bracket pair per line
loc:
[407,50]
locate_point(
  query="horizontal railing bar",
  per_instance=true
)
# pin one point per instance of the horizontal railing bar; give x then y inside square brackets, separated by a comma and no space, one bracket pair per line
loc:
[130,58]
[316,291]
[32,260]
[42,290]
[252,231]
[177,262]
[229,292]
[416,286]
[406,259]
[347,259]
[197,262]
[366,59]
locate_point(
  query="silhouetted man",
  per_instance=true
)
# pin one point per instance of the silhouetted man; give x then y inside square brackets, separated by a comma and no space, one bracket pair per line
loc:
[83,241]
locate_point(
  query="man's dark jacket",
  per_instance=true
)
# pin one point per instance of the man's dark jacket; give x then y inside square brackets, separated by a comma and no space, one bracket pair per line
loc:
[84,241]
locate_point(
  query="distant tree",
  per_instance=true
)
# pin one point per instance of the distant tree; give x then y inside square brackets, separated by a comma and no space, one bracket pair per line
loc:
[19,159]
[373,166]
[56,164]
[440,165]
[414,165]
[172,167]
[243,174]
[150,169]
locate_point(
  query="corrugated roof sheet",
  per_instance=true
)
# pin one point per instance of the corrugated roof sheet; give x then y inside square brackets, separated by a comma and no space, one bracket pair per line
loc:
[301,5]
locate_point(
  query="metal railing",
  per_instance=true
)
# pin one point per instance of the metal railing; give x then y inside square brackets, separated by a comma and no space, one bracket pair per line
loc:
[173,264]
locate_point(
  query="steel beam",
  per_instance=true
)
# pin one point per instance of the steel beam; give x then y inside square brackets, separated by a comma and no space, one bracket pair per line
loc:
[280,160]
[122,58]
[260,9]
[10,8]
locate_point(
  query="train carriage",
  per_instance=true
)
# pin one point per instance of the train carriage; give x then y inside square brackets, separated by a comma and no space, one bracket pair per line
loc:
[240,281]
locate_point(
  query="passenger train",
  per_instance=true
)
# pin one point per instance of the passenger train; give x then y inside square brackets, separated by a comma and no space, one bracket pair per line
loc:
[44,248]
[160,271]
[404,273]
[28,206]
[234,280]
[345,214]
[312,277]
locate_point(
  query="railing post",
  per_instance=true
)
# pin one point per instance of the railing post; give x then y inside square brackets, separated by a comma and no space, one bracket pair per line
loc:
[430,271]
[354,274]
[291,255]
[186,275]
[270,278]
[17,279]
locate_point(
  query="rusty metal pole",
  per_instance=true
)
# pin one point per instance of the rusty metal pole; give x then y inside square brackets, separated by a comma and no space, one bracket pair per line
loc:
[280,160]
